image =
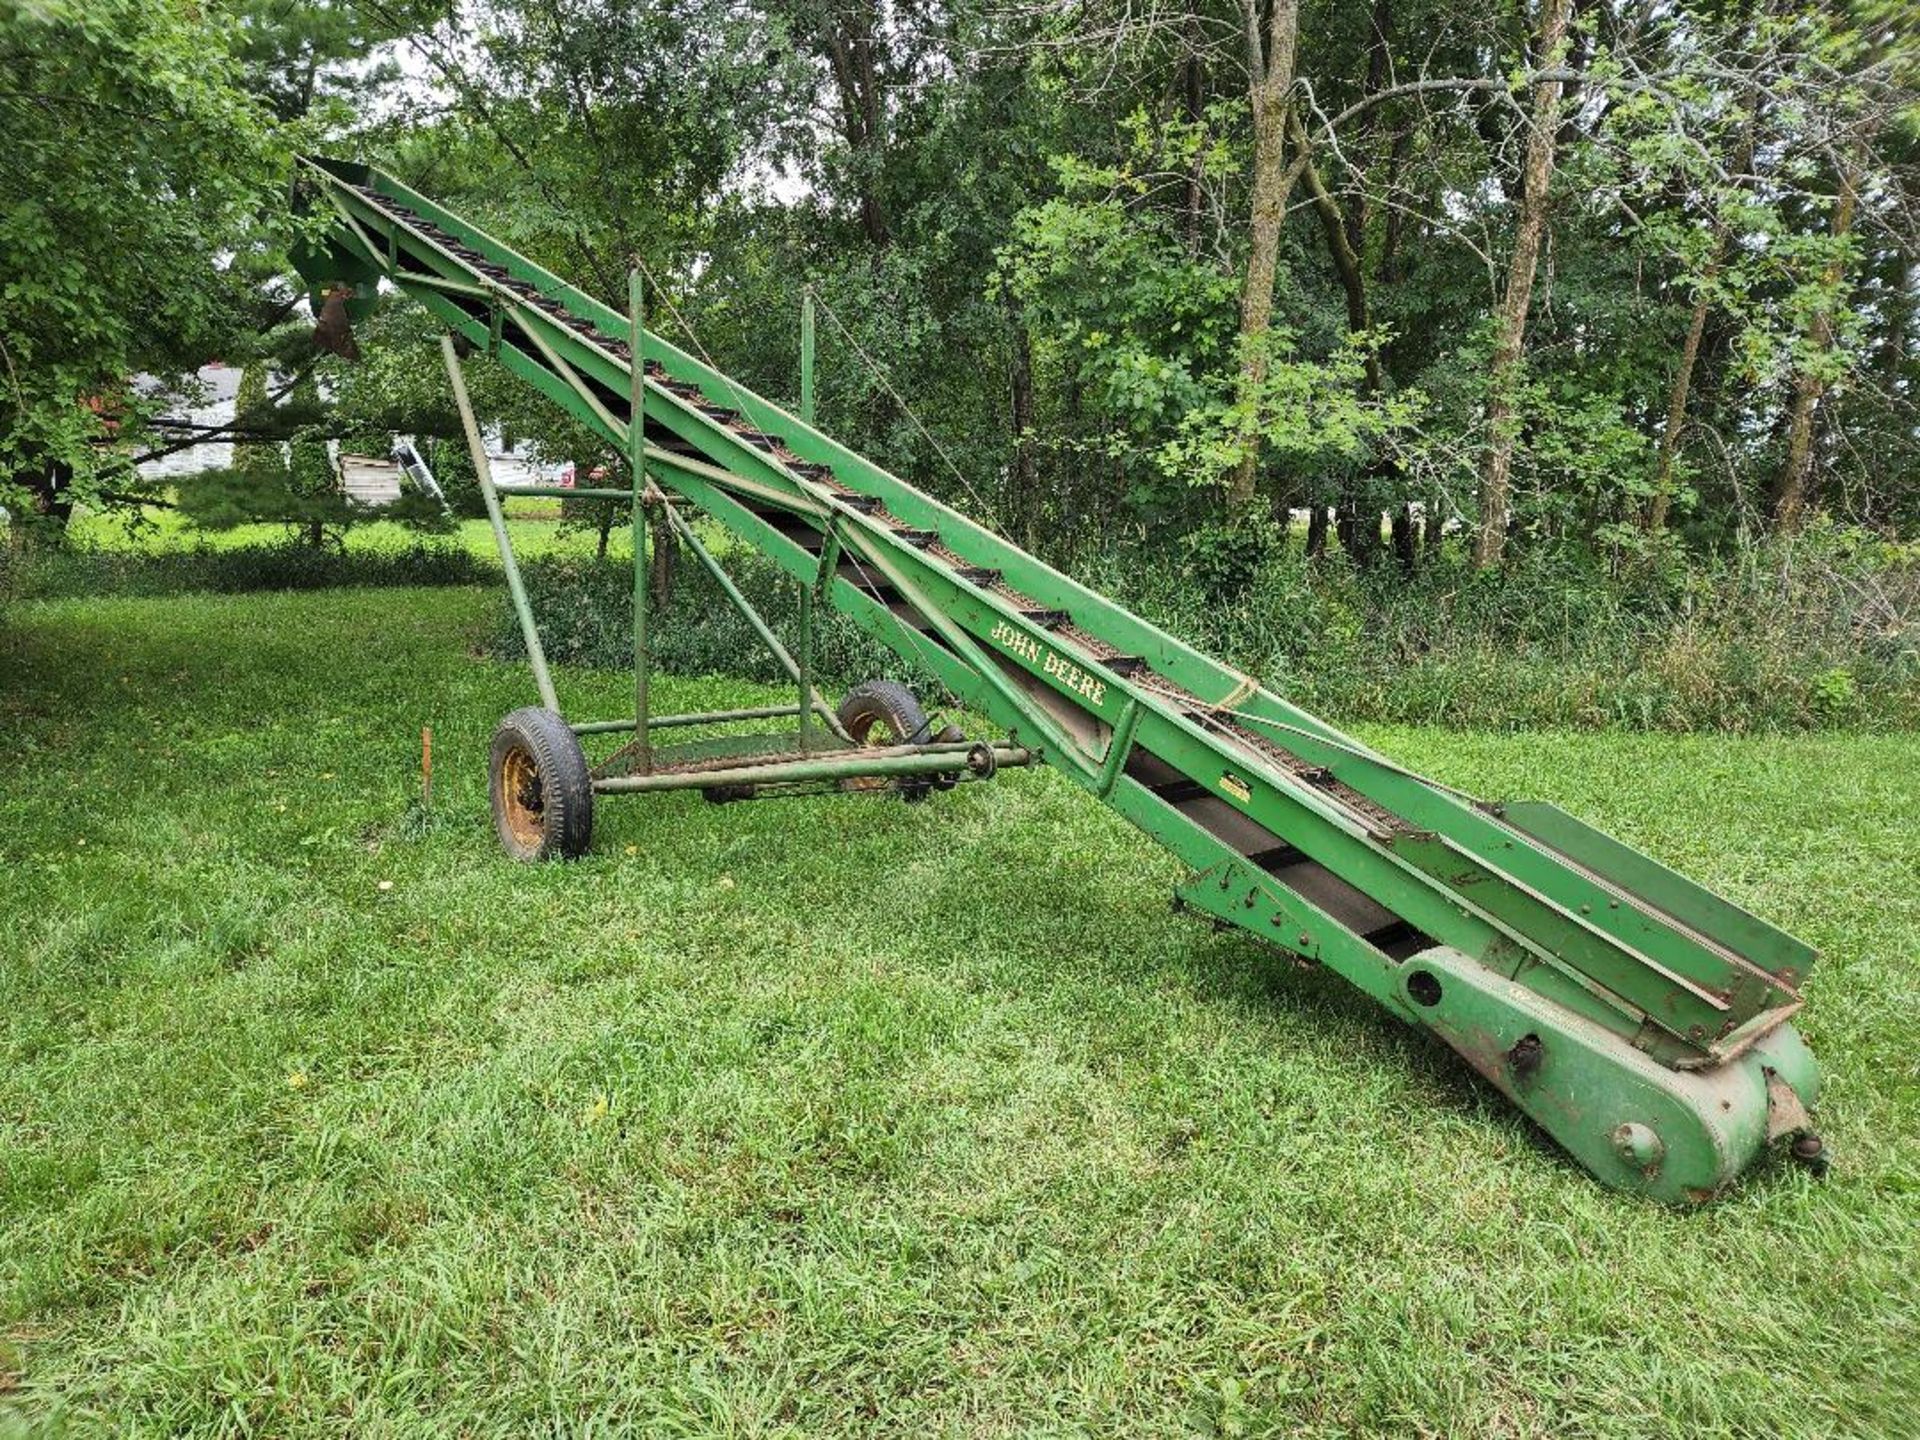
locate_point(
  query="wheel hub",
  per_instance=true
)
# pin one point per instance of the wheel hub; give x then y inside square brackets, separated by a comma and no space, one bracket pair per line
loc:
[525,797]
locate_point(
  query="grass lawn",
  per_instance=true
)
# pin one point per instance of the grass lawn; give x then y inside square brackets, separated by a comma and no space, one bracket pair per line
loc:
[318,1117]
[535,526]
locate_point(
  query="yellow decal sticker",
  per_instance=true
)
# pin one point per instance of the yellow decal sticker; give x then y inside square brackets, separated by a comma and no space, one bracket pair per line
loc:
[1236,787]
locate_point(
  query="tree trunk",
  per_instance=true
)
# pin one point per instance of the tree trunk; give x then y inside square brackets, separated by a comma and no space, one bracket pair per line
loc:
[849,43]
[1387,270]
[1411,536]
[1378,72]
[1656,520]
[1496,478]
[1316,530]
[603,527]
[1072,493]
[1357,525]
[663,558]
[1790,488]
[1193,94]
[1897,332]
[1677,395]
[1405,546]
[1270,66]
[1345,261]
[1026,468]
[1348,243]
[44,526]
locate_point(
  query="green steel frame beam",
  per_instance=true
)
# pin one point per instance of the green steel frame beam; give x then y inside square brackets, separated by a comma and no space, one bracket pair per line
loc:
[796,669]
[636,437]
[1663,1005]
[483,473]
[933,760]
[806,357]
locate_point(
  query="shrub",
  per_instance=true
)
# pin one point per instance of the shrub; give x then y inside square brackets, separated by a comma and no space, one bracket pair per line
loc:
[1821,632]
[83,570]
[1818,635]
[585,611]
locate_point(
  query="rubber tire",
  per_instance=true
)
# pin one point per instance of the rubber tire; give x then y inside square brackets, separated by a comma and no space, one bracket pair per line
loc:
[875,701]
[560,825]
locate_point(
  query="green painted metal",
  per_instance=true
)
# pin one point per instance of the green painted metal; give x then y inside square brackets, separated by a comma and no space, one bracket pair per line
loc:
[806,357]
[1639,1019]
[908,762]
[1629,871]
[702,717]
[757,745]
[637,473]
[483,473]
[565,492]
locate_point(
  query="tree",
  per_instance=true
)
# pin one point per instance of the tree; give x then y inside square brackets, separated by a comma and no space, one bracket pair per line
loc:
[317,55]
[1516,297]
[1270,69]
[108,105]
[1091,269]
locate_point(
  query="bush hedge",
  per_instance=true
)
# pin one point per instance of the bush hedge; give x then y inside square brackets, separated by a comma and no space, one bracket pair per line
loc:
[585,610]
[72,571]
[1820,634]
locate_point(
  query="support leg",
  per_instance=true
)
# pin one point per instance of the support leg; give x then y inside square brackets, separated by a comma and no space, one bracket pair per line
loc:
[806,357]
[806,665]
[483,473]
[637,472]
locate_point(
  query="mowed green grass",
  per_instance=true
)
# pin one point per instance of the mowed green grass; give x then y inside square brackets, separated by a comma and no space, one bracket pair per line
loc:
[839,1116]
[537,533]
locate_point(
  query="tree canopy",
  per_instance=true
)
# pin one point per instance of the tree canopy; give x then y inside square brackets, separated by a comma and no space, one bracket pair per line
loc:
[1578,271]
